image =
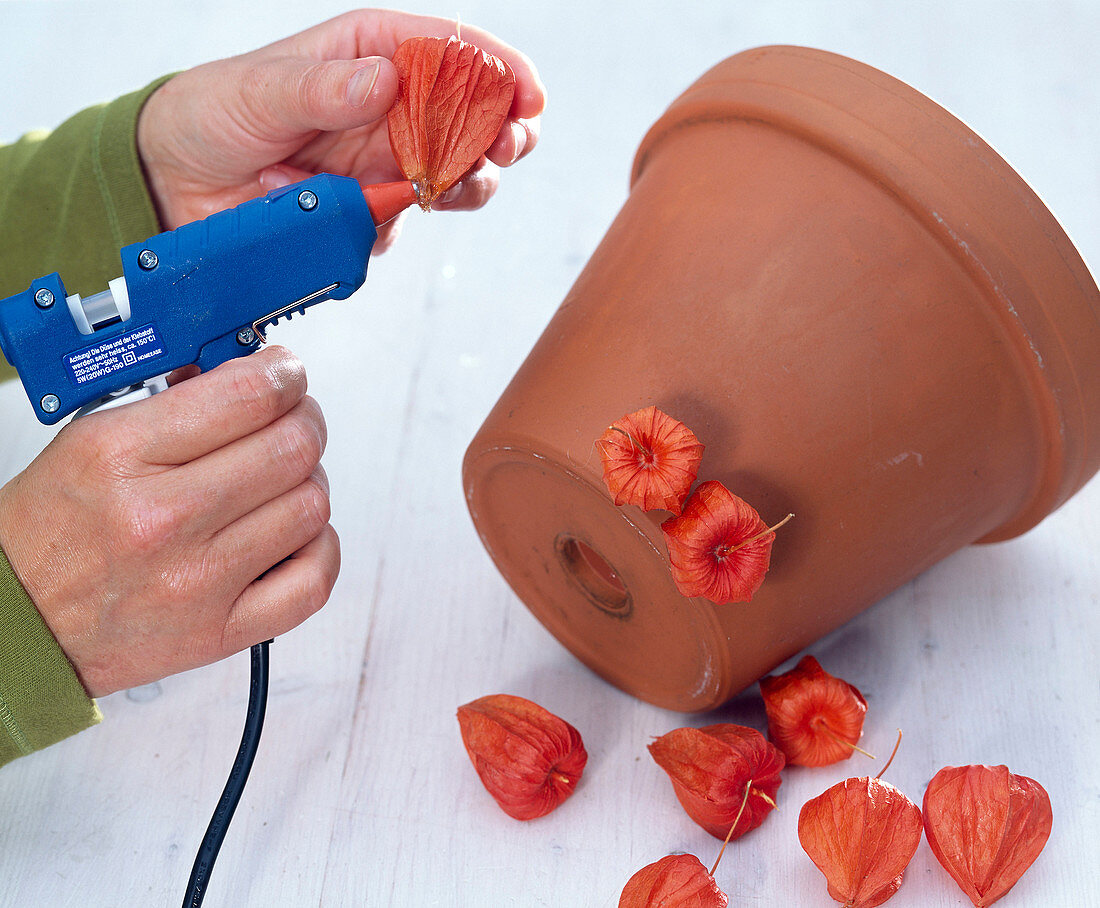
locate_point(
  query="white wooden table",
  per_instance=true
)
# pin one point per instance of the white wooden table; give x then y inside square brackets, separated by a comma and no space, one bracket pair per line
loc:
[362,793]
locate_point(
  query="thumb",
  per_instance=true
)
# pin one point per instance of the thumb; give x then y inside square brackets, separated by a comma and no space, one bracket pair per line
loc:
[332,95]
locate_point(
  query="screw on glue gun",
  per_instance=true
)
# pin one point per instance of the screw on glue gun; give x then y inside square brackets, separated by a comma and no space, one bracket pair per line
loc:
[203,293]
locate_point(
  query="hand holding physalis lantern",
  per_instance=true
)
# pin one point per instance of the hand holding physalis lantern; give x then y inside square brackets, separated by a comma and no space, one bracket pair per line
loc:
[869,320]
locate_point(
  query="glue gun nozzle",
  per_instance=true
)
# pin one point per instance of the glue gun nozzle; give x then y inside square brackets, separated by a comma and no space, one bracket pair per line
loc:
[387,200]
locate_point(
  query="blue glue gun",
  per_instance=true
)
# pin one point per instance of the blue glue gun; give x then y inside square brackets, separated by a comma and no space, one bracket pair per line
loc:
[203,293]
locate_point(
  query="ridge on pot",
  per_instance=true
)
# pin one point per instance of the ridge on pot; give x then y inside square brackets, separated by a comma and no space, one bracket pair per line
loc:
[902,347]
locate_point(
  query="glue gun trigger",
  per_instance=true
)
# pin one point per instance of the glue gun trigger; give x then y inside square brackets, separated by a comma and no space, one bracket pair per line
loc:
[298,306]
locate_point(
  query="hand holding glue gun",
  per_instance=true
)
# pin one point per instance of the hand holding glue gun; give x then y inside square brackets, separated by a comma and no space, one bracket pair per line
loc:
[165,535]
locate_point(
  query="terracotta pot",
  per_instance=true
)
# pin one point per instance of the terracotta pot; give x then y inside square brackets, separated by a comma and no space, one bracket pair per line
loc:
[863,312]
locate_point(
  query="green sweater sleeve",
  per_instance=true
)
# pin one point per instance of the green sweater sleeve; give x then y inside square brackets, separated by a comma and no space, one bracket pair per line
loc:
[41,699]
[69,201]
[72,198]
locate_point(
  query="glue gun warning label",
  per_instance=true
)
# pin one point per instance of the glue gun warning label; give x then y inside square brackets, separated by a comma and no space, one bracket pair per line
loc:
[99,360]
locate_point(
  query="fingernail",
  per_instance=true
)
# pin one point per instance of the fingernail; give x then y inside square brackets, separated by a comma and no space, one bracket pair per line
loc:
[519,138]
[272,178]
[361,84]
[451,195]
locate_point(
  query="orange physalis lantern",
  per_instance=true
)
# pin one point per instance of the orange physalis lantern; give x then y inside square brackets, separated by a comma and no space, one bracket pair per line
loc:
[725,776]
[719,547]
[649,460]
[862,834]
[986,827]
[675,881]
[452,101]
[813,717]
[528,759]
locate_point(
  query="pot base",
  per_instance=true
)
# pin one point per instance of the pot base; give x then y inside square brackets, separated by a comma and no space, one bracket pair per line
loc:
[597,577]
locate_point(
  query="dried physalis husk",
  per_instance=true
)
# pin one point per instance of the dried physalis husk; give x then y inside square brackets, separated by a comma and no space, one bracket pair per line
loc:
[649,460]
[862,834]
[675,881]
[813,717]
[452,101]
[712,768]
[528,759]
[718,546]
[985,826]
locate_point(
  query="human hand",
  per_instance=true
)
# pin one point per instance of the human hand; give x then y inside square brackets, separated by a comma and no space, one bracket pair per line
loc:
[152,537]
[225,132]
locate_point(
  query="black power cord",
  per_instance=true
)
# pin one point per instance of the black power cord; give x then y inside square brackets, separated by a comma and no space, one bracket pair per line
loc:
[238,775]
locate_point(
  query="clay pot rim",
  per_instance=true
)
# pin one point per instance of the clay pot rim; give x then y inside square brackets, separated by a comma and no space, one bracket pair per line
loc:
[946,175]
